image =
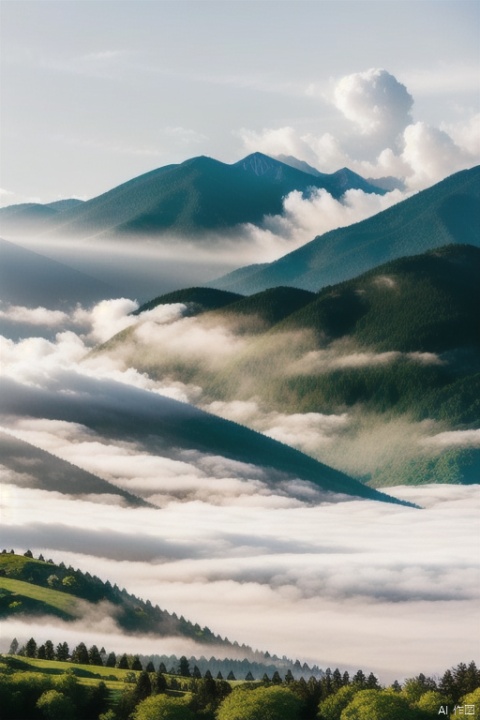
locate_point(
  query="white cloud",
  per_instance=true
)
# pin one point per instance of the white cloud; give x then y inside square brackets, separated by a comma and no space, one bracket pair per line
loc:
[390,142]
[305,217]
[374,101]
[431,154]
[455,439]
[308,432]
[34,316]
[318,361]
[353,579]
[110,317]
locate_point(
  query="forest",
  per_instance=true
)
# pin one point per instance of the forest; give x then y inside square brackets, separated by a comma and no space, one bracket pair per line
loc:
[43,681]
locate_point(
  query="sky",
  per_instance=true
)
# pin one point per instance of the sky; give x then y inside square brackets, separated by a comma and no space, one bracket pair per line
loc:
[95,93]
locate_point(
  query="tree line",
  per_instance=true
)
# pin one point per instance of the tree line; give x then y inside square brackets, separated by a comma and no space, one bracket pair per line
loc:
[151,693]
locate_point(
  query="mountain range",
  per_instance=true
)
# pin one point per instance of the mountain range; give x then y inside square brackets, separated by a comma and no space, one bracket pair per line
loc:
[197,196]
[442,214]
[401,340]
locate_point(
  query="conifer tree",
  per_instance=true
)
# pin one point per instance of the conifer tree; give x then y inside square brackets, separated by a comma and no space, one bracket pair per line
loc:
[31,648]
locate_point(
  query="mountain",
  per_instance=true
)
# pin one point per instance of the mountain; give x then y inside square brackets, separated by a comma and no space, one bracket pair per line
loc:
[398,345]
[197,196]
[443,214]
[30,587]
[171,429]
[198,299]
[34,217]
[30,279]
[24,464]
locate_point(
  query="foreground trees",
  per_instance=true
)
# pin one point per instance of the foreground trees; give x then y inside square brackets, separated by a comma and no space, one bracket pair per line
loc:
[162,707]
[268,703]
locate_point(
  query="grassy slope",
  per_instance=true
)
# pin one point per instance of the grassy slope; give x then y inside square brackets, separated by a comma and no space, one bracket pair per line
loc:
[25,580]
[45,598]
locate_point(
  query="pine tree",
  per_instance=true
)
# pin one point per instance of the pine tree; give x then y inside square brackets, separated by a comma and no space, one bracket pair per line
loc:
[231,676]
[111,660]
[62,652]
[143,687]
[359,679]
[337,681]
[184,667]
[150,667]
[472,677]
[276,679]
[94,656]
[41,652]
[13,647]
[123,662]
[159,683]
[136,664]
[49,650]
[196,674]
[31,648]
[80,654]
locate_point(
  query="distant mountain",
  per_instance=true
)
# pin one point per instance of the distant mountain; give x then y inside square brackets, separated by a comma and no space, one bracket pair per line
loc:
[33,216]
[200,195]
[30,466]
[445,213]
[31,279]
[400,341]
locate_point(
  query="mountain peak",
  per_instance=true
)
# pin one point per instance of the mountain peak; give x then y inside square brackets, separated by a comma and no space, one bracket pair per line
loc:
[261,164]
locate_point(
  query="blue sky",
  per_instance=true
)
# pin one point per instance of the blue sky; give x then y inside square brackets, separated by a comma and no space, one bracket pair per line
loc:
[96,92]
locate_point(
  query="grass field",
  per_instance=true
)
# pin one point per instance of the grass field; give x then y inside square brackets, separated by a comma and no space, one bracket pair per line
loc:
[18,589]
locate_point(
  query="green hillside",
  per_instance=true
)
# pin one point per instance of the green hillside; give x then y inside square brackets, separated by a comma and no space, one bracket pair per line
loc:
[399,341]
[199,195]
[445,213]
[30,587]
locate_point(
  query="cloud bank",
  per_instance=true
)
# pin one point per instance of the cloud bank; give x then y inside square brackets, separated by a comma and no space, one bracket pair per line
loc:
[383,139]
[350,584]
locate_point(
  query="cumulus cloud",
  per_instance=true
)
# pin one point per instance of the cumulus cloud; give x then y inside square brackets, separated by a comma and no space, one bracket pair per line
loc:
[110,317]
[375,101]
[390,142]
[303,218]
[431,154]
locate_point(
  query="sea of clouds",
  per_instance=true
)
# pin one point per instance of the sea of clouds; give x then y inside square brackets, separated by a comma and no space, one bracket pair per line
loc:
[337,581]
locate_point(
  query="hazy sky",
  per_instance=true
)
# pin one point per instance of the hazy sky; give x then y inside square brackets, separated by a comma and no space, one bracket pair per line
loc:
[96,92]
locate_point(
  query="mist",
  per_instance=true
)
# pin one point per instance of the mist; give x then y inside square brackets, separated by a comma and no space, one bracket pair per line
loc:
[349,584]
